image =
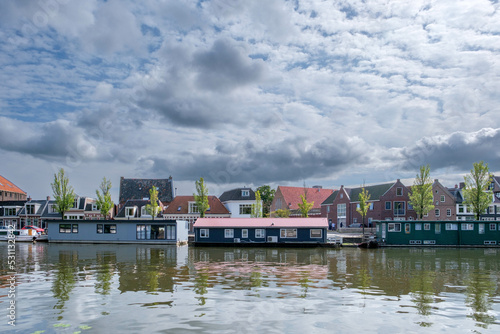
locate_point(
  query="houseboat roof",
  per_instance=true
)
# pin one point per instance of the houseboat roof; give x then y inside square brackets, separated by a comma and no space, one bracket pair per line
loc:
[261,222]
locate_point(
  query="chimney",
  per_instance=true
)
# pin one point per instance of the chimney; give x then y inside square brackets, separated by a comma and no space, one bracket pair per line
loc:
[456,186]
[48,198]
[29,199]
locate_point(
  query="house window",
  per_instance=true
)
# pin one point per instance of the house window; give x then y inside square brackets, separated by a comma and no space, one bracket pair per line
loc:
[288,233]
[94,207]
[228,233]
[418,226]
[110,228]
[193,208]
[30,209]
[399,208]
[341,210]
[437,228]
[370,224]
[371,206]
[316,233]
[245,209]
[341,196]
[204,233]
[437,212]
[410,206]
[245,193]
[394,227]
[260,233]
[467,227]
[460,209]
[244,233]
[451,227]
[448,212]
[399,191]
[328,209]
[10,211]
[442,198]
[75,204]
[493,227]
[99,228]
[427,227]
[387,205]
[129,211]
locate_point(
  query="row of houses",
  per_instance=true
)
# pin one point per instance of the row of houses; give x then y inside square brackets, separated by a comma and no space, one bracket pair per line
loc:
[388,201]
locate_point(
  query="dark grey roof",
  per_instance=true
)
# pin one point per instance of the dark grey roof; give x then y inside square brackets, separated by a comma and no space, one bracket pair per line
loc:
[457,193]
[235,195]
[375,191]
[330,198]
[9,203]
[139,188]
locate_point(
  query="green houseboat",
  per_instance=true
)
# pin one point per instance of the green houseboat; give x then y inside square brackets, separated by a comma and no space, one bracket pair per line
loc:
[438,233]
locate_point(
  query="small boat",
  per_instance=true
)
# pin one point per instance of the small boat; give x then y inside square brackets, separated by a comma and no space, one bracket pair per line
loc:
[25,235]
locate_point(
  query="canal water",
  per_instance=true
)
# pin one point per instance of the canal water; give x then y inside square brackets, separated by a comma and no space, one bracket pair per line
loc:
[65,288]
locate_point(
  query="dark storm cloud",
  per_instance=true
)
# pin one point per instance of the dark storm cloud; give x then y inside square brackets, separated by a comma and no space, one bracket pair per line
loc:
[287,160]
[457,150]
[225,66]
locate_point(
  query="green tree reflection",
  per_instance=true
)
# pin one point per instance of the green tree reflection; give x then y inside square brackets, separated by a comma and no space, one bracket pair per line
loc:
[421,287]
[104,275]
[480,289]
[200,286]
[64,283]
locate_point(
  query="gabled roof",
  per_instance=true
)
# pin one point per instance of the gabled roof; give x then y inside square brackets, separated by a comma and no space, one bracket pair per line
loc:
[330,198]
[180,205]
[292,196]
[139,203]
[236,195]
[139,189]
[261,222]
[375,191]
[6,185]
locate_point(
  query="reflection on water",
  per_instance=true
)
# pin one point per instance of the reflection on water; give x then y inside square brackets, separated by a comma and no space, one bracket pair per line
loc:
[141,288]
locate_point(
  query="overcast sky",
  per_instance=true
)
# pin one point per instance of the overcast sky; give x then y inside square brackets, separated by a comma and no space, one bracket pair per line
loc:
[246,93]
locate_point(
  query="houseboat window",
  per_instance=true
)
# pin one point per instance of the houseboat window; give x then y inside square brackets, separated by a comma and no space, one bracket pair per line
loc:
[170,232]
[228,233]
[437,228]
[316,233]
[427,226]
[451,227]
[64,228]
[493,227]
[244,233]
[245,209]
[157,232]
[75,228]
[394,227]
[110,228]
[467,227]
[204,233]
[407,228]
[387,205]
[481,228]
[141,232]
[288,232]
[260,233]
[418,226]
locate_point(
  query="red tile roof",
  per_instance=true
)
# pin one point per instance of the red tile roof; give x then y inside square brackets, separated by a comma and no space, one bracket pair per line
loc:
[316,195]
[6,185]
[262,222]
[216,207]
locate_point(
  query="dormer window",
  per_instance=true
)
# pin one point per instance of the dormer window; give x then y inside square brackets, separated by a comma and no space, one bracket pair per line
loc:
[94,207]
[30,209]
[193,208]
[130,211]
[75,204]
[144,212]
[245,193]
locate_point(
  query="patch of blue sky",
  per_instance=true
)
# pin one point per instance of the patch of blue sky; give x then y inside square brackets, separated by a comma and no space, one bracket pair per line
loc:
[38,110]
[262,56]
[349,12]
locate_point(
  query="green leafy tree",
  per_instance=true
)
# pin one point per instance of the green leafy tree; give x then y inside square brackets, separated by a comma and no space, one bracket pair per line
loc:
[305,206]
[281,213]
[364,205]
[421,193]
[201,197]
[476,192]
[257,207]
[104,202]
[267,196]
[152,207]
[64,194]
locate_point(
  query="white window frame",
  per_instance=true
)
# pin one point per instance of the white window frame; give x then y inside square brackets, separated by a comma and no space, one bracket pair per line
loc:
[394,227]
[204,232]
[229,233]
[244,233]
[399,191]
[451,227]
[341,210]
[481,228]
[193,208]
[316,230]
[260,233]
[467,227]
[127,211]
[493,226]
[288,233]
[245,193]
[442,198]
[418,226]
[427,226]
[437,212]
[448,212]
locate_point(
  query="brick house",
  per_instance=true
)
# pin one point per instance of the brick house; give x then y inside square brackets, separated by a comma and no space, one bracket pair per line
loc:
[10,192]
[288,198]
[444,202]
